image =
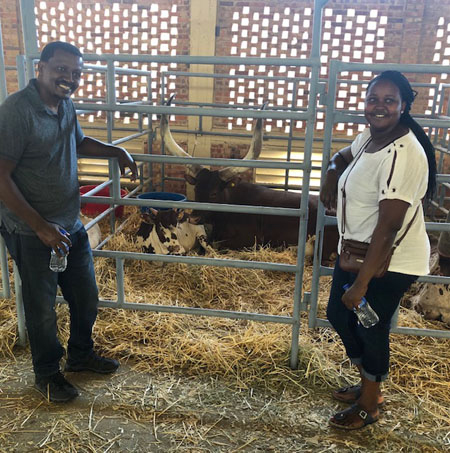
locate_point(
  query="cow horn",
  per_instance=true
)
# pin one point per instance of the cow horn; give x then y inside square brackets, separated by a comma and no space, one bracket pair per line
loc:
[170,144]
[253,153]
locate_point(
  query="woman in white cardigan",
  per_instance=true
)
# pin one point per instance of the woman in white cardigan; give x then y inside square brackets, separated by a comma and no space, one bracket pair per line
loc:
[387,171]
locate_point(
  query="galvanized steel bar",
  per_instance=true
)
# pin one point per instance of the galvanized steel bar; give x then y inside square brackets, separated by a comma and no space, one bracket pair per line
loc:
[21,327]
[190,111]
[403,330]
[234,76]
[240,107]
[149,137]
[201,261]
[118,69]
[360,119]
[21,71]
[6,289]
[227,314]
[188,60]
[430,226]
[379,67]
[110,97]
[434,279]
[97,188]
[309,137]
[219,207]
[163,101]
[327,138]
[437,226]
[29,34]
[128,138]
[443,178]
[3,86]
[115,190]
[120,276]
[290,136]
[394,319]
[220,162]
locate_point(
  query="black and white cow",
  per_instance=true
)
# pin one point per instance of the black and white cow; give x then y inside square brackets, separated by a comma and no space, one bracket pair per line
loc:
[171,232]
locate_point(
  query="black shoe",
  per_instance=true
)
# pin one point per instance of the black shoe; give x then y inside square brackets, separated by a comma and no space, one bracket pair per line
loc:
[55,388]
[93,363]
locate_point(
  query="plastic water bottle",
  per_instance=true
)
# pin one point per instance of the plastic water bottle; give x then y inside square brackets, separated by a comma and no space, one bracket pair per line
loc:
[59,263]
[365,313]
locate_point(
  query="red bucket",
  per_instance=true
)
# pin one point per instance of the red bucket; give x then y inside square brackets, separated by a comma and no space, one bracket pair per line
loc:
[94,209]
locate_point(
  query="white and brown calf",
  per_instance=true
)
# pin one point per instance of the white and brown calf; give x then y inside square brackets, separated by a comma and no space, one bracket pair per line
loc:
[170,232]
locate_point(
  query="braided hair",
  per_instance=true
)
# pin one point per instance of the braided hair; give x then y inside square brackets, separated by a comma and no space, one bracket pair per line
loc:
[408,95]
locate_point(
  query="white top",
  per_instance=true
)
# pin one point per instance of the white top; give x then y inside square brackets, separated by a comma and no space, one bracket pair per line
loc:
[398,171]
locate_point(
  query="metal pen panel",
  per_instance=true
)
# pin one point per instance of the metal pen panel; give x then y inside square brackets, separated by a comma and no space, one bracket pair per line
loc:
[21,327]
[3,87]
[334,116]
[6,289]
[29,34]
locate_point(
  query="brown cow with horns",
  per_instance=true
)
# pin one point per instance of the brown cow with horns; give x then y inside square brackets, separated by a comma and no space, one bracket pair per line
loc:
[237,230]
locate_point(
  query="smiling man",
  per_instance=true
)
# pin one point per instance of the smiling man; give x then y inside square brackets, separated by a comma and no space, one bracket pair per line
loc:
[40,140]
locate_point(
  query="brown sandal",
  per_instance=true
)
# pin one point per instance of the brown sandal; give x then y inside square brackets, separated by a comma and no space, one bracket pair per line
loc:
[355,389]
[340,393]
[363,415]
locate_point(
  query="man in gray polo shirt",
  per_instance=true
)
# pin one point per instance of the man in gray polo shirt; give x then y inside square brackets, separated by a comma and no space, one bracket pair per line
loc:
[40,140]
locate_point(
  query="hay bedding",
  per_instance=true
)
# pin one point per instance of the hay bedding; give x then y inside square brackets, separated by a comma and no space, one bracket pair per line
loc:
[247,355]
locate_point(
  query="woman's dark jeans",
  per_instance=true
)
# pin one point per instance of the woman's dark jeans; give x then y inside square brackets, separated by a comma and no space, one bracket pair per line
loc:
[367,347]
[39,287]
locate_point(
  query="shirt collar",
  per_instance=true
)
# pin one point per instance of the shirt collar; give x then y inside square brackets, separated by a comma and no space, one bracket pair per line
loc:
[36,101]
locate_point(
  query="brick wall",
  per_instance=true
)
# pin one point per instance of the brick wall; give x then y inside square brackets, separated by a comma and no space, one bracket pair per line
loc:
[404,32]
[12,39]
[409,36]
[393,31]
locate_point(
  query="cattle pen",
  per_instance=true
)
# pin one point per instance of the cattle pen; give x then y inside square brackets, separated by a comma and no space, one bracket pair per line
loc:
[312,97]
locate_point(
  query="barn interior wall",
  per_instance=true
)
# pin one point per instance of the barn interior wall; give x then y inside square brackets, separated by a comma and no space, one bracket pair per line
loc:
[12,39]
[410,35]
[393,31]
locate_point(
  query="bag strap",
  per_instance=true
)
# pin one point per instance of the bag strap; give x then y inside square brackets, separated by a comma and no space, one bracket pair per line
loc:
[400,239]
[344,194]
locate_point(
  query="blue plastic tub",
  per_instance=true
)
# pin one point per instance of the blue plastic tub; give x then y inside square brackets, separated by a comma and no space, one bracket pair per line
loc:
[161,196]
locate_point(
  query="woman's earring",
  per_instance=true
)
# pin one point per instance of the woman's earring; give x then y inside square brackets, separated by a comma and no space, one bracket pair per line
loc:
[401,111]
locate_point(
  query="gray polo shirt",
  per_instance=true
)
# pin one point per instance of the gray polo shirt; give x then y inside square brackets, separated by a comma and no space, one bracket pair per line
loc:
[43,145]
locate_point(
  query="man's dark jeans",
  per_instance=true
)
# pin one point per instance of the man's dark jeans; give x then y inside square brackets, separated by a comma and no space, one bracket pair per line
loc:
[39,287]
[367,347]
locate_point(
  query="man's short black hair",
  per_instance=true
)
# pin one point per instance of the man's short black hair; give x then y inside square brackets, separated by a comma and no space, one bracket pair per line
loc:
[49,50]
